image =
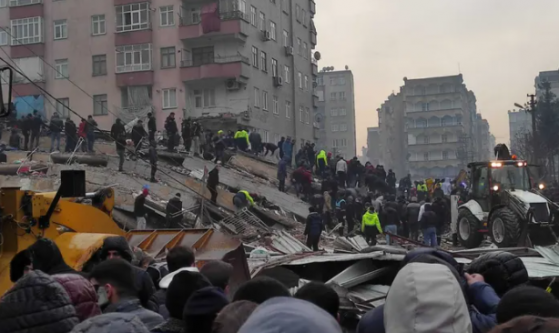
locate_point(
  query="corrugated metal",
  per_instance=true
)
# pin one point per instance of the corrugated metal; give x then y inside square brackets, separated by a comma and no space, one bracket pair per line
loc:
[365,292]
[540,268]
[287,244]
[359,268]
[344,257]
[356,243]
[551,253]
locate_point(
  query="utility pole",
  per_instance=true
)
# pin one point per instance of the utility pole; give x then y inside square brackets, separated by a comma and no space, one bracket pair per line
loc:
[535,139]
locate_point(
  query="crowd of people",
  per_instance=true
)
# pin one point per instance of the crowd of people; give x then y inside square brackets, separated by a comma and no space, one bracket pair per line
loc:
[122,290]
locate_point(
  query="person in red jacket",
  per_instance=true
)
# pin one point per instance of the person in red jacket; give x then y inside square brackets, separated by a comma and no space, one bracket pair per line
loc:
[82,135]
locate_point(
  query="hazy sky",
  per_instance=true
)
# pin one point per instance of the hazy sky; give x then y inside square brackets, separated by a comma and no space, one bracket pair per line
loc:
[501,45]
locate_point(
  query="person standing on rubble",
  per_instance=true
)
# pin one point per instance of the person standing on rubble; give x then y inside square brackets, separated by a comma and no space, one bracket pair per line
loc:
[173,211]
[138,133]
[411,214]
[370,224]
[36,124]
[219,146]
[213,181]
[341,206]
[186,133]
[313,228]
[55,127]
[172,130]
[118,133]
[282,174]
[321,163]
[242,199]
[350,213]
[152,127]
[196,133]
[82,135]
[341,171]
[153,160]
[90,127]
[287,149]
[428,224]
[280,146]
[71,135]
[26,124]
[140,209]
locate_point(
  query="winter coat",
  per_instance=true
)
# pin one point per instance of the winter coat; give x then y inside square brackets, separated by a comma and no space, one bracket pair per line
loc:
[112,323]
[26,125]
[139,206]
[174,206]
[142,279]
[171,325]
[287,149]
[152,155]
[502,270]
[151,125]
[56,124]
[290,315]
[428,220]
[37,304]
[280,146]
[412,212]
[282,170]
[36,123]
[426,298]
[341,166]
[132,306]
[70,129]
[370,219]
[47,258]
[81,130]
[138,132]
[314,225]
[213,179]
[327,202]
[90,126]
[82,294]
[171,125]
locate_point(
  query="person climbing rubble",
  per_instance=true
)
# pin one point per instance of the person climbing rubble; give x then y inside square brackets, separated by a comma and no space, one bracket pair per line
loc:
[173,211]
[313,228]
[370,224]
[242,200]
[172,130]
[140,209]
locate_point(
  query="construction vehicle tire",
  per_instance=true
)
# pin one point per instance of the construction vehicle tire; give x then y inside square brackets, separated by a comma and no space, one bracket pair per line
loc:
[504,227]
[467,229]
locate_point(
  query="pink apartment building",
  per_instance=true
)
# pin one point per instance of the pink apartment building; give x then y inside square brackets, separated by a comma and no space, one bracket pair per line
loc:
[250,60]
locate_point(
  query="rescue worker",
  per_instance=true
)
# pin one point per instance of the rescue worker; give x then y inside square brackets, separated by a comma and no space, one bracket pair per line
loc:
[270,148]
[55,127]
[321,163]
[140,210]
[341,206]
[71,135]
[138,133]
[411,215]
[313,228]
[391,181]
[173,211]
[280,146]
[172,130]
[213,181]
[282,174]
[152,128]
[287,149]
[153,161]
[242,199]
[370,224]
[118,133]
[219,146]
[351,213]
[422,191]
[239,140]
[255,142]
[196,137]
[90,127]
[26,124]
[186,133]
[36,124]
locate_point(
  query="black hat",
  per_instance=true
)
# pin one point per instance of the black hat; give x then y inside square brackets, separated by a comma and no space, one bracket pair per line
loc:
[527,300]
[182,287]
[206,301]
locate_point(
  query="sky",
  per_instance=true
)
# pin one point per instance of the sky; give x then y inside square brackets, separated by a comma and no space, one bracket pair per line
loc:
[499,46]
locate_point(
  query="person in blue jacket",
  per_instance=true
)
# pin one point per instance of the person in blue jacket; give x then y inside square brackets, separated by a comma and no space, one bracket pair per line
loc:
[287,150]
[314,228]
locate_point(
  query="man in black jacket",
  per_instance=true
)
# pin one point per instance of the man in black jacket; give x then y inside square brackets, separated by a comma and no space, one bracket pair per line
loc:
[26,124]
[36,124]
[313,228]
[172,130]
[55,127]
[118,133]
[70,130]
[152,128]
[411,214]
[140,209]
[186,132]
[428,224]
[173,211]
[138,133]
[213,181]
[153,160]
[280,146]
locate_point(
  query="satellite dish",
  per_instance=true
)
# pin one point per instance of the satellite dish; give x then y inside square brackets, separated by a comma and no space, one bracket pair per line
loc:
[317,55]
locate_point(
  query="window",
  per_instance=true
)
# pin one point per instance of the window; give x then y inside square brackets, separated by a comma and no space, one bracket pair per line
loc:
[285,38]
[263,61]
[264,100]
[99,65]
[168,57]
[15,3]
[98,25]
[298,13]
[274,67]
[341,81]
[133,58]
[256,97]
[133,16]
[242,7]
[169,98]
[445,155]
[305,50]
[166,16]
[342,95]
[287,109]
[426,156]
[275,107]
[254,57]
[333,96]
[335,128]
[3,36]
[343,127]
[203,55]
[3,3]
[204,98]
[304,17]
[299,46]
[426,139]
[306,82]
[253,15]
[262,22]
[286,72]
[334,112]
[27,30]
[307,116]
[300,76]
[61,66]
[272,30]
[300,113]
[343,112]
[62,105]
[100,105]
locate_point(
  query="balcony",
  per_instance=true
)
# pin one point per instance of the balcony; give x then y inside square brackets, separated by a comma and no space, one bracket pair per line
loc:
[209,69]
[232,25]
[125,79]
[315,100]
[26,9]
[312,7]
[20,3]
[314,67]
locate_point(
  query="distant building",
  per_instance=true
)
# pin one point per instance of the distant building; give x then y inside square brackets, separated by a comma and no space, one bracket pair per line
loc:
[392,138]
[520,125]
[336,112]
[547,76]
[483,147]
[373,145]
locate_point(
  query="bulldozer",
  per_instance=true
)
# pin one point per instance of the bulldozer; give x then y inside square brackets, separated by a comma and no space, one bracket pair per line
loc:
[505,204]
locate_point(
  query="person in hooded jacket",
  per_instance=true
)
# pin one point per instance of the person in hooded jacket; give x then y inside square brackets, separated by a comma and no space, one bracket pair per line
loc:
[202,308]
[55,126]
[71,135]
[37,304]
[152,127]
[428,223]
[321,163]
[282,174]
[36,124]
[313,228]
[280,147]
[213,181]
[233,316]
[255,142]
[138,133]
[172,130]
[502,270]
[173,210]
[117,247]
[118,133]
[83,135]
[370,224]
[112,323]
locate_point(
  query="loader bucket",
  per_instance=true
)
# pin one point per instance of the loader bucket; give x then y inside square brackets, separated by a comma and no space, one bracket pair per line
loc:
[542,235]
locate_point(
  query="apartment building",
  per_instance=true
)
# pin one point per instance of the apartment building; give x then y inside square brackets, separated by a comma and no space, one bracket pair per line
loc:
[520,125]
[373,146]
[392,138]
[336,112]
[483,139]
[547,76]
[249,60]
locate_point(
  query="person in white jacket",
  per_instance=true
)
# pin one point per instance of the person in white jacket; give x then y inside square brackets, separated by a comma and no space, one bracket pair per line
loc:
[341,171]
[447,187]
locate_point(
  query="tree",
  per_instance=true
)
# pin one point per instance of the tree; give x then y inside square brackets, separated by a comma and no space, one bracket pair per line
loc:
[547,129]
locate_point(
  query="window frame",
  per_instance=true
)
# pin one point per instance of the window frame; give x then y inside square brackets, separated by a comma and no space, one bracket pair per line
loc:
[124,50]
[275,105]
[273,30]
[31,24]
[165,53]
[103,104]
[63,111]
[166,101]
[264,61]
[253,15]
[61,25]
[101,22]
[256,98]
[98,61]
[169,12]
[288,109]
[264,100]
[255,55]
[133,9]
[59,65]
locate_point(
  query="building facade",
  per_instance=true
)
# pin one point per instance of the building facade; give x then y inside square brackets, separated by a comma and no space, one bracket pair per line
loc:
[246,59]
[483,140]
[547,76]
[336,112]
[373,145]
[520,126]
[392,138]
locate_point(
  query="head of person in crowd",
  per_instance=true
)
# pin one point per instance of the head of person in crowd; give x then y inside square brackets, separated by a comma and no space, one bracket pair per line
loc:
[202,308]
[529,324]
[183,285]
[179,259]
[47,257]
[113,280]
[527,300]
[261,289]
[146,261]
[501,270]
[21,264]
[116,247]
[233,316]
[290,315]
[321,295]
[38,304]
[426,298]
[218,273]
[112,323]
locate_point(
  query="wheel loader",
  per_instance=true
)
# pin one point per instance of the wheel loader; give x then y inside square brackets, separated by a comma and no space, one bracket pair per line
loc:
[505,204]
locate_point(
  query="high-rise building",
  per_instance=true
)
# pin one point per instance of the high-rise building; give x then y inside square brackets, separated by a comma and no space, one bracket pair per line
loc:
[392,138]
[547,76]
[250,60]
[483,147]
[520,126]
[373,145]
[336,112]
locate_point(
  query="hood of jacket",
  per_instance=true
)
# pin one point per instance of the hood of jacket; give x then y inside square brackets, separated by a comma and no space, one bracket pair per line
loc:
[289,315]
[426,298]
[110,323]
[501,270]
[82,294]
[117,243]
[47,257]
[132,306]
[37,303]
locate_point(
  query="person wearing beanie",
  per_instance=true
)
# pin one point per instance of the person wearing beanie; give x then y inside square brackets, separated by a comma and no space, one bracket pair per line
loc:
[260,289]
[140,210]
[529,324]
[181,288]
[111,323]
[527,300]
[233,316]
[202,308]
[290,315]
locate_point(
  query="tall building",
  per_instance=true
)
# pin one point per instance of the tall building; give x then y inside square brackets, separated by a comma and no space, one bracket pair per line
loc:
[547,76]
[483,142]
[392,138]
[373,145]
[248,60]
[336,112]
[520,125]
